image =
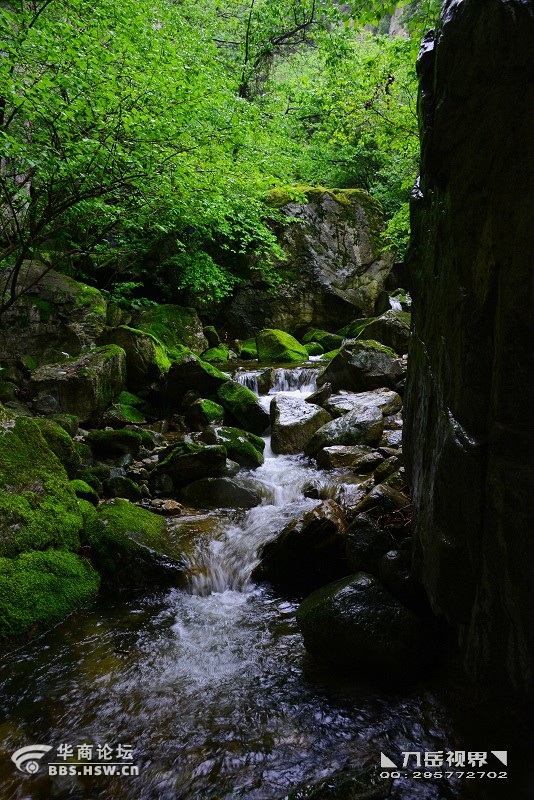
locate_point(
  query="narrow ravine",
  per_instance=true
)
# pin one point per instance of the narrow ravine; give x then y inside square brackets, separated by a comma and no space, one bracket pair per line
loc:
[210,685]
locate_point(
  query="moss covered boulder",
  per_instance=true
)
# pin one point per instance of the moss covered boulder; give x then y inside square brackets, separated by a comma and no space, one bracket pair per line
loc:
[131,547]
[328,341]
[187,461]
[38,509]
[249,350]
[278,347]
[61,445]
[242,407]
[146,357]
[191,373]
[221,492]
[242,446]
[40,588]
[391,329]
[175,326]
[202,413]
[361,366]
[83,386]
[57,314]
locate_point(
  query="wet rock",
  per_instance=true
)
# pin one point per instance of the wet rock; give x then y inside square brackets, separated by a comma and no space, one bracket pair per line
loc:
[328,341]
[354,623]
[201,413]
[190,373]
[361,366]
[187,462]
[387,401]
[384,497]
[308,552]
[243,407]
[346,784]
[276,346]
[367,542]
[83,386]
[391,329]
[397,480]
[360,458]
[219,493]
[395,571]
[121,486]
[353,428]
[266,380]
[293,423]
[320,397]
[391,439]
[241,446]
[160,484]
[132,547]
[386,468]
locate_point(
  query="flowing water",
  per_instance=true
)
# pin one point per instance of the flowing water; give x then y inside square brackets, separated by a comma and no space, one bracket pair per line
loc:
[210,686]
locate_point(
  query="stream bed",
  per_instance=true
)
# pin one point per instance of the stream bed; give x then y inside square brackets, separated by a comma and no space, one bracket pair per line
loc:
[207,691]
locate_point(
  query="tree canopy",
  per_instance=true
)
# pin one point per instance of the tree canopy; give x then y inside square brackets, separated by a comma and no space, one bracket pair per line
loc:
[144,134]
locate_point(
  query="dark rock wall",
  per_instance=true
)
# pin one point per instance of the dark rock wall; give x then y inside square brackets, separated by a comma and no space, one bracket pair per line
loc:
[469,436]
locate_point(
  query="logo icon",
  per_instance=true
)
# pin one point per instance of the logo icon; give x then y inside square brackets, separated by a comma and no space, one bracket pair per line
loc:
[27,758]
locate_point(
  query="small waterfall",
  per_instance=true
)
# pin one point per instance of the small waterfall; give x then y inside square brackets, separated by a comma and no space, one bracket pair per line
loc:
[279,379]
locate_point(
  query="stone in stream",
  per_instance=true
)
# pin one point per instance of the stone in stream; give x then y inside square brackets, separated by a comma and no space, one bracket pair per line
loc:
[187,462]
[190,373]
[293,423]
[361,366]
[353,428]
[386,400]
[276,346]
[358,457]
[320,397]
[367,542]
[241,446]
[308,552]
[355,624]
[219,493]
[242,406]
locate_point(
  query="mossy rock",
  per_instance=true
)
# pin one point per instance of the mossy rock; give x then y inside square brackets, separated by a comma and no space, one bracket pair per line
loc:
[243,407]
[40,588]
[242,446]
[119,415]
[329,356]
[111,443]
[8,391]
[130,399]
[328,341]
[83,491]
[314,349]
[202,413]
[188,461]
[61,444]
[38,509]
[146,357]
[178,328]
[69,422]
[212,337]
[95,477]
[355,329]
[249,350]
[217,355]
[121,486]
[131,547]
[276,346]
[192,373]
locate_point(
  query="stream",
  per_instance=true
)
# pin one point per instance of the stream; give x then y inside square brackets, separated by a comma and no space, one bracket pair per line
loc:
[208,689]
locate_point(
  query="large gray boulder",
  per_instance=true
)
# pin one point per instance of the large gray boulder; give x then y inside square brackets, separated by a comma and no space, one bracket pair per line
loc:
[469,436]
[356,427]
[332,242]
[57,314]
[392,329]
[387,401]
[84,386]
[293,423]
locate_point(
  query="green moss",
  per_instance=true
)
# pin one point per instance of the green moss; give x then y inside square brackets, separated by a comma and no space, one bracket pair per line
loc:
[354,329]
[45,308]
[61,444]
[313,348]
[178,328]
[378,346]
[242,446]
[329,356]
[130,546]
[40,588]
[37,508]
[83,491]
[160,355]
[129,399]
[276,346]
[212,410]
[121,414]
[249,349]
[69,422]
[219,354]
[328,341]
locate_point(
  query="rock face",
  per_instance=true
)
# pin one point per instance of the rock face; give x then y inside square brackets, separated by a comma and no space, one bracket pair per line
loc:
[469,436]
[335,251]
[57,314]
[361,366]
